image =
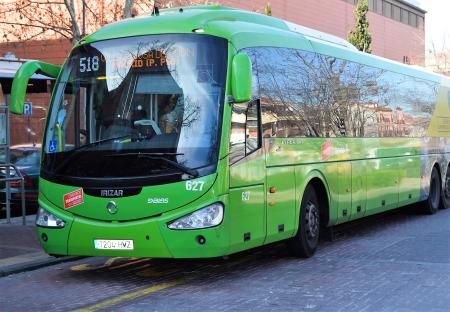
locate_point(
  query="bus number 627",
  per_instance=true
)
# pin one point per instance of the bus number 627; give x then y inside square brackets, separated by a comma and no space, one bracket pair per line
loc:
[195,186]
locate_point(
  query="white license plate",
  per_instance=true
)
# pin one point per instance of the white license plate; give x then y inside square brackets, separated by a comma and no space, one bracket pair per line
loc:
[116,244]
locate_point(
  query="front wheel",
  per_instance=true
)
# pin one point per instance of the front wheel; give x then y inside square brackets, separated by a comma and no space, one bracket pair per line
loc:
[434,197]
[305,242]
[445,196]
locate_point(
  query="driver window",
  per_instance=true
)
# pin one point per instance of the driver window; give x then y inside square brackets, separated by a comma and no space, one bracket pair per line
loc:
[252,142]
[245,131]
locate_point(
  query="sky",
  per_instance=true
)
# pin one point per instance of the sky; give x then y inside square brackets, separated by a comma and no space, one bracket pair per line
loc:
[437,23]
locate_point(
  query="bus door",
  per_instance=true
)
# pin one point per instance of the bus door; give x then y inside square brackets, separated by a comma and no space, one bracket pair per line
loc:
[281,147]
[247,176]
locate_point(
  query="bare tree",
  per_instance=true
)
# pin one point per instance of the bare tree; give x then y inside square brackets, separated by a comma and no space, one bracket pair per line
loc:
[22,20]
[438,56]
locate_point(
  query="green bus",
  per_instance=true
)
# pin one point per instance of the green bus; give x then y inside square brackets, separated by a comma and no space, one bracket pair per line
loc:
[204,131]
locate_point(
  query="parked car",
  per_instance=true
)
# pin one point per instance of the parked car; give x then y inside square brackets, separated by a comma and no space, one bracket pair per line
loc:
[27,160]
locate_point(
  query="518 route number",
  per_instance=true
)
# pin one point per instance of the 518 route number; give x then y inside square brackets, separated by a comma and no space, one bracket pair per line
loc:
[88,64]
[195,186]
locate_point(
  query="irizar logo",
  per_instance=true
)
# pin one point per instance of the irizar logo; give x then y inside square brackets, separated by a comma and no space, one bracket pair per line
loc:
[156,200]
[111,193]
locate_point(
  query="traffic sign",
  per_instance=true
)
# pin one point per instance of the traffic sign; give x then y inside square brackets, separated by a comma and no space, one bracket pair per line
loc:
[27,108]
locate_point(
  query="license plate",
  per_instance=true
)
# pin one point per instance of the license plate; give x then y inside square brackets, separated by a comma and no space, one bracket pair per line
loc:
[115,244]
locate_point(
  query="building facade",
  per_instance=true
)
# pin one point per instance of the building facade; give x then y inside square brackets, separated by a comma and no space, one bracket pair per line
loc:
[397,26]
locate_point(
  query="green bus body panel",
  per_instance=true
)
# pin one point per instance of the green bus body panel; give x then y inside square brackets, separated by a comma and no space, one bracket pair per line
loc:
[344,188]
[247,201]
[20,82]
[281,205]
[57,238]
[248,217]
[172,21]
[150,201]
[79,233]
[361,176]
[358,189]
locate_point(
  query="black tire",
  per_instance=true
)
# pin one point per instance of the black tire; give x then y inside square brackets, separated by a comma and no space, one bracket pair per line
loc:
[434,197]
[445,196]
[305,242]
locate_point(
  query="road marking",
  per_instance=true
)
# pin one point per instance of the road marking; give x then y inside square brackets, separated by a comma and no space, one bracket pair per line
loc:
[131,262]
[131,296]
[153,274]
[89,267]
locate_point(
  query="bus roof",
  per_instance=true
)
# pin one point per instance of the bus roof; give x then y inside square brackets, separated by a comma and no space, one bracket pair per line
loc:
[249,29]
[206,18]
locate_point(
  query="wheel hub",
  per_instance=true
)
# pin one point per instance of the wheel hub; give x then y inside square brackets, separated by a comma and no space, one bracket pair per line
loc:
[312,220]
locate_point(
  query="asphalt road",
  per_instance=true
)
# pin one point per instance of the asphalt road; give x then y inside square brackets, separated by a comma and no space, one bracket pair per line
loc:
[396,262]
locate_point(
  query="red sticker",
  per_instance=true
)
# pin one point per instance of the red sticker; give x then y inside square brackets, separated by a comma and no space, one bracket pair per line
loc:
[74,198]
[327,149]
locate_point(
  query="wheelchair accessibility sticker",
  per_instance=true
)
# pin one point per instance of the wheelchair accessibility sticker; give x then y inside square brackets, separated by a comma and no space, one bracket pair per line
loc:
[53,146]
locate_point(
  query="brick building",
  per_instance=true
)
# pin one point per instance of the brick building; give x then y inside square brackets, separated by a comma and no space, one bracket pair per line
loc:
[397,29]
[397,26]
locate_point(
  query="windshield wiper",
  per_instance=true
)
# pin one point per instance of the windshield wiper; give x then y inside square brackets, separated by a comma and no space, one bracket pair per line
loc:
[161,156]
[83,147]
[95,143]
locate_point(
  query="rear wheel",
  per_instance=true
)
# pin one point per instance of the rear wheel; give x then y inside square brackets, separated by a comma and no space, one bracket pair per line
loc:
[445,196]
[305,242]
[434,198]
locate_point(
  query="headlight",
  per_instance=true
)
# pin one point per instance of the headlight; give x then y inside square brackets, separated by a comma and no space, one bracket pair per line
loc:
[46,219]
[209,216]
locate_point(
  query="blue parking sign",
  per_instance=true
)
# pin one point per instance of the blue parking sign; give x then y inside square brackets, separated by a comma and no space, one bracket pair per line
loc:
[27,108]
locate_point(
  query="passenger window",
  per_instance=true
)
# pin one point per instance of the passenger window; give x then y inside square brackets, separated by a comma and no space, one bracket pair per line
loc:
[245,135]
[252,142]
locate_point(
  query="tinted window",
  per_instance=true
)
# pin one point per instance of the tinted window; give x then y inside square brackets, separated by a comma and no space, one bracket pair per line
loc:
[304,94]
[245,133]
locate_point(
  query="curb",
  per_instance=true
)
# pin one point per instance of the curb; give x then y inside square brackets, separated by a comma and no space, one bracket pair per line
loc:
[34,265]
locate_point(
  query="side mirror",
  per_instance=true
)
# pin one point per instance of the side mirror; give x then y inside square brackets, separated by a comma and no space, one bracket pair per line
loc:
[20,82]
[241,84]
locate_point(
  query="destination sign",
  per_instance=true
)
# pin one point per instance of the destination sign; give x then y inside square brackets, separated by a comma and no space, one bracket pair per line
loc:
[93,63]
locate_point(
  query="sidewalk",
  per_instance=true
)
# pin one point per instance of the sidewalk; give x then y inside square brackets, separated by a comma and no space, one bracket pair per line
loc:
[19,248]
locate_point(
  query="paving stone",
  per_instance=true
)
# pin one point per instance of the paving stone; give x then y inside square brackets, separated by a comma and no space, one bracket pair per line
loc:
[396,262]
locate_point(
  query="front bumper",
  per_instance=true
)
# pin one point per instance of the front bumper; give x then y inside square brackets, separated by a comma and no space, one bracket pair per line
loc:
[150,236]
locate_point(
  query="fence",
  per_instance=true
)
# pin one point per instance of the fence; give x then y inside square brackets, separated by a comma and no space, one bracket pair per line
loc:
[7,165]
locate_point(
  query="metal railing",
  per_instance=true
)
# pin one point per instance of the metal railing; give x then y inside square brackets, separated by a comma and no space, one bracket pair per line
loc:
[7,165]
[8,178]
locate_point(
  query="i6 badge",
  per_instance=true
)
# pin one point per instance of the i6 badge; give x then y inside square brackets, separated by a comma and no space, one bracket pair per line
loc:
[73,199]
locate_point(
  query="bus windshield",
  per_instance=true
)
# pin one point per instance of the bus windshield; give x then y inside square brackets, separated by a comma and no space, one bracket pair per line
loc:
[137,106]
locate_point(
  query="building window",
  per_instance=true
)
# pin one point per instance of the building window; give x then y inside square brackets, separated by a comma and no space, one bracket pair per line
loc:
[387,9]
[390,10]
[379,6]
[412,19]
[420,22]
[396,11]
[405,16]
